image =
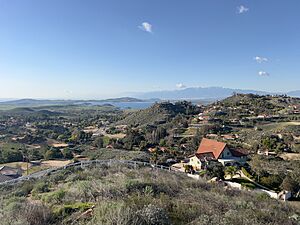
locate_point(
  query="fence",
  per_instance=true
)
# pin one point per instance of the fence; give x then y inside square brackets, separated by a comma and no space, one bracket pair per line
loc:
[84,164]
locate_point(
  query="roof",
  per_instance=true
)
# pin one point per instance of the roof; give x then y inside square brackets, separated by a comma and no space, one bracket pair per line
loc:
[4,178]
[238,152]
[211,146]
[9,171]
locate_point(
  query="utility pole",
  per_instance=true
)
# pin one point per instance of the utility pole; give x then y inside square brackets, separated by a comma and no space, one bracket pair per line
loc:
[26,158]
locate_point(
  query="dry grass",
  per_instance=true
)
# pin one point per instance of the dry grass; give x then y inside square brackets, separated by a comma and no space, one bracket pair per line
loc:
[55,163]
[290,156]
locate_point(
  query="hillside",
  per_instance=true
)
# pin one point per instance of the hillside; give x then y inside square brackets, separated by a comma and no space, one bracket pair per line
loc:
[120,195]
[30,111]
[158,113]
[248,104]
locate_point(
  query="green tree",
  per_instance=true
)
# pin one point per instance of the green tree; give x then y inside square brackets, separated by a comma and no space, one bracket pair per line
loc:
[98,142]
[231,171]
[67,153]
[53,153]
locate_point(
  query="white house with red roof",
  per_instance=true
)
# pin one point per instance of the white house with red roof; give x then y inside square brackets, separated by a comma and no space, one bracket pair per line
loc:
[214,150]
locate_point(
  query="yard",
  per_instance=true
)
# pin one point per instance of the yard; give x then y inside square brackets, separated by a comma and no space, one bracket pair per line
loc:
[32,168]
[290,156]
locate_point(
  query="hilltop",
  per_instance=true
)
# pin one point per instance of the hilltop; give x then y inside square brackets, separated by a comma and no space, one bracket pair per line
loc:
[121,195]
[157,113]
[248,104]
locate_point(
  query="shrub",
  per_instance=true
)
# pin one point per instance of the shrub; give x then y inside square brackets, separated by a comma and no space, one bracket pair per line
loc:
[108,213]
[153,215]
[41,187]
[71,208]
[36,214]
[247,174]
[25,189]
[55,197]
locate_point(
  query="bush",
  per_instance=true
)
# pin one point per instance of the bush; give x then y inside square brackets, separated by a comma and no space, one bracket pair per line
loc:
[271,181]
[247,174]
[55,197]
[36,214]
[108,213]
[25,189]
[41,187]
[71,208]
[153,215]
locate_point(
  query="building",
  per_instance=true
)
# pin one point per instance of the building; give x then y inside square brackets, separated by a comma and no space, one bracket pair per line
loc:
[10,172]
[214,150]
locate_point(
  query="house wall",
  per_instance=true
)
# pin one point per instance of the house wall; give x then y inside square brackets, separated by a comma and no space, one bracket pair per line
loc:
[226,154]
[195,163]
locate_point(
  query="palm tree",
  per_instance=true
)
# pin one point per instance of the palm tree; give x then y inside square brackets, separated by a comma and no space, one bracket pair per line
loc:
[231,170]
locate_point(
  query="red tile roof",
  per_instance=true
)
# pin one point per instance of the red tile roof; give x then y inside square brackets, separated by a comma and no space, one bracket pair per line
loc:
[212,146]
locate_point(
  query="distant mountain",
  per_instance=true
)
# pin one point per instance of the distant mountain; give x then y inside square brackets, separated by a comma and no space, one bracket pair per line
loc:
[6,99]
[196,93]
[27,111]
[294,93]
[35,102]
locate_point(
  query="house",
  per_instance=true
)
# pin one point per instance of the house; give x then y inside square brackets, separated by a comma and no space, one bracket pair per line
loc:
[10,172]
[200,161]
[265,152]
[214,150]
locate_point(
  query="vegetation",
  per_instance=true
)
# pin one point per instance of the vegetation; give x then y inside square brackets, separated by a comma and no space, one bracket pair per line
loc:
[120,195]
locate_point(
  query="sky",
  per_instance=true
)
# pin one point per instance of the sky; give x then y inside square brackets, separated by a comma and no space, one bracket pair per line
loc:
[92,49]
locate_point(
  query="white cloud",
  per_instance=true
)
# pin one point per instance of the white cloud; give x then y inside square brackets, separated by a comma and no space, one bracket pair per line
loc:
[242,9]
[180,85]
[146,27]
[263,73]
[260,59]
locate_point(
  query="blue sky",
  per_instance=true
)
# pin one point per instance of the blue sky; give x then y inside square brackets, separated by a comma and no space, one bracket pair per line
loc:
[103,48]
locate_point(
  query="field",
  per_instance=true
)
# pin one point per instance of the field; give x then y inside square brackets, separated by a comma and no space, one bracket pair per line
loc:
[32,168]
[290,156]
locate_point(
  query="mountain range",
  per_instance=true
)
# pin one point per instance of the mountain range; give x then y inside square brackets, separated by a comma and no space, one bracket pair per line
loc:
[193,93]
[39,102]
[213,93]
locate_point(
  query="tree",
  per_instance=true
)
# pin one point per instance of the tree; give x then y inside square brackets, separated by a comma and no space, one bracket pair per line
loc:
[53,154]
[215,169]
[67,153]
[289,184]
[231,171]
[143,145]
[11,155]
[98,142]
[162,142]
